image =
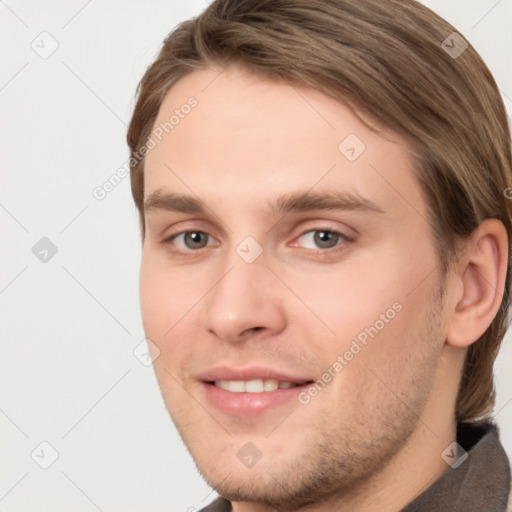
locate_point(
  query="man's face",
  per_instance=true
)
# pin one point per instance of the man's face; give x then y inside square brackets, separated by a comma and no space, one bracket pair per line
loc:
[334,288]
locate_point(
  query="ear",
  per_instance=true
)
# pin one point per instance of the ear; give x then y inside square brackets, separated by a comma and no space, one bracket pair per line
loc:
[480,282]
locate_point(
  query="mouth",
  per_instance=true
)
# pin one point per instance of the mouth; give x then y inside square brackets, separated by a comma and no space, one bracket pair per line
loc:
[251,392]
[253,386]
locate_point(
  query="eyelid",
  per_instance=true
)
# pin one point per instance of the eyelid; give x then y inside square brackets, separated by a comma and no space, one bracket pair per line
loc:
[168,239]
[196,225]
[314,225]
[337,232]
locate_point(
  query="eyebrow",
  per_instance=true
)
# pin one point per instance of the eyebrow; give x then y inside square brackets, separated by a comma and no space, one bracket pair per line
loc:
[297,202]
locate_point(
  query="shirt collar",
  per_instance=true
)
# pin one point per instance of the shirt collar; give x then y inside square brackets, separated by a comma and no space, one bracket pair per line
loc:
[480,482]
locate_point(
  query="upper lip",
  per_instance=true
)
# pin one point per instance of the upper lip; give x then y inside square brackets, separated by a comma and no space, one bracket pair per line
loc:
[250,373]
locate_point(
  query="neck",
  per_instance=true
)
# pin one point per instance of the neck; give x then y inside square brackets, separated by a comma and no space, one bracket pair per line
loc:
[413,470]
[415,467]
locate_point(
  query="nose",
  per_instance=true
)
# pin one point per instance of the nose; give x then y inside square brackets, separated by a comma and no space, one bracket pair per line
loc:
[246,299]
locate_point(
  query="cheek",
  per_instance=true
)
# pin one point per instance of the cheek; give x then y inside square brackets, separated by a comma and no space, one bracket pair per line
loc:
[378,299]
[170,302]
[346,300]
[154,298]
[166,295]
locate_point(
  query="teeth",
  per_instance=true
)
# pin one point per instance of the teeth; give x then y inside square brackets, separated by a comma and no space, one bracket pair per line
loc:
[224,384]
[271,385]
[253,386]
[236,386]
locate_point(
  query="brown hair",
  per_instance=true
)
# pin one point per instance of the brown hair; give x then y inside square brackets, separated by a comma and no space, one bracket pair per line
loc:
[388,60]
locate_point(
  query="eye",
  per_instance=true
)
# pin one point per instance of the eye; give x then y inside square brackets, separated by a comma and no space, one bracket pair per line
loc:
[189,240]
[322,239]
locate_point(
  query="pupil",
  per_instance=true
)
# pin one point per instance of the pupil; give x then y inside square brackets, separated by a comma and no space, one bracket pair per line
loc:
[194,240]
[325,239]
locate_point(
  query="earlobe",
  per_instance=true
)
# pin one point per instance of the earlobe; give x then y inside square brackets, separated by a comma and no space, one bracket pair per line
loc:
[481,273]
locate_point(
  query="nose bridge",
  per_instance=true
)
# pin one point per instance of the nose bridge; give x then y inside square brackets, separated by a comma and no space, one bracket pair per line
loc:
[242,298]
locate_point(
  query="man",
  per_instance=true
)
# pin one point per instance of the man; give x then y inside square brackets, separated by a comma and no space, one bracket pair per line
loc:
[325,268]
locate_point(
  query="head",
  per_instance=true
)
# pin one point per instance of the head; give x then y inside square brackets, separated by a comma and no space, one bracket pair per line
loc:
[345,225]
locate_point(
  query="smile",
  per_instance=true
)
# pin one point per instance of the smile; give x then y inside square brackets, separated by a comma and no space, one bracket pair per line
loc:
[253,386]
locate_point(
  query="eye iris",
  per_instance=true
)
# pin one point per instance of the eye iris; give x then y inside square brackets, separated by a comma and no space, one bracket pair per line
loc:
[325,239]
[195,239]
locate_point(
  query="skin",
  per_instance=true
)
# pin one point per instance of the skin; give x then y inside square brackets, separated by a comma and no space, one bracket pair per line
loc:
[372,438]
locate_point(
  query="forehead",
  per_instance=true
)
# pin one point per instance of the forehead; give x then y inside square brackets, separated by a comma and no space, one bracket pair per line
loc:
[246,138]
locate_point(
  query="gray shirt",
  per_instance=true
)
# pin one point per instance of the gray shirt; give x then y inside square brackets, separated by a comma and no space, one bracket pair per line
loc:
[480,484]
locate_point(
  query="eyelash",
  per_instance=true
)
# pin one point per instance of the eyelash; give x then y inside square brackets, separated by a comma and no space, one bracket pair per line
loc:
[339,246]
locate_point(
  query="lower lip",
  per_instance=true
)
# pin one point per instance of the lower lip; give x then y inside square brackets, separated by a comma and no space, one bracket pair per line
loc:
[249,404]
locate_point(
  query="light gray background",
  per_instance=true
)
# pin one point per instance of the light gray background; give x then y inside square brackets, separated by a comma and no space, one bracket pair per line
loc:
[68,375]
